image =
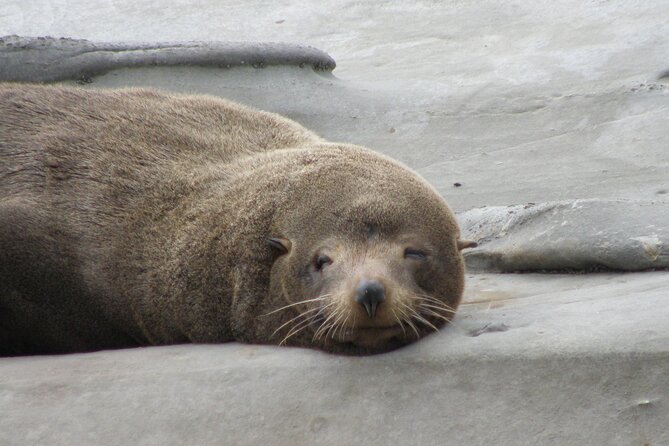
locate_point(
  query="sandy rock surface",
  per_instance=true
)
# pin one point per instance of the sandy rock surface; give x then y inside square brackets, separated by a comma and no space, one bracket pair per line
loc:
[532,359]
[579,235]
[542,124]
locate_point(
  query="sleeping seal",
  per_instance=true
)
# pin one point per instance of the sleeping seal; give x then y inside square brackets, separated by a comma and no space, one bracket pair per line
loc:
[134,217]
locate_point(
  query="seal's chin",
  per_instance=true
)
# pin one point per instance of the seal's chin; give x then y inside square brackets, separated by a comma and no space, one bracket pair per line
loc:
[374,338]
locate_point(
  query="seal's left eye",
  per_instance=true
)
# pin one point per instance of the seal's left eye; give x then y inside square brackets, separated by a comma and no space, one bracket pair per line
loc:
[416,254]
[322,260]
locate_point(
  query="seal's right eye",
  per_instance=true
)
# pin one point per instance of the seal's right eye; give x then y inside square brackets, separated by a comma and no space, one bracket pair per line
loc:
[416,254]
[321,261]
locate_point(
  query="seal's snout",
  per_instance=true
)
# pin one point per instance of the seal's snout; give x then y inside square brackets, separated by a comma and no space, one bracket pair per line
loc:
[369,294]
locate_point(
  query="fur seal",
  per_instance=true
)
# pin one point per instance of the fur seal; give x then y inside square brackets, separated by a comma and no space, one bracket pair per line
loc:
[134,217]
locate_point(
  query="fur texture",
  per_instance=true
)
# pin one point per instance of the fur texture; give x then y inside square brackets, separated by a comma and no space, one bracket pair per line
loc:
[133,217]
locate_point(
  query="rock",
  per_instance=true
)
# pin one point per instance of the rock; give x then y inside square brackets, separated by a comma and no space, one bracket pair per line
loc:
[586,235]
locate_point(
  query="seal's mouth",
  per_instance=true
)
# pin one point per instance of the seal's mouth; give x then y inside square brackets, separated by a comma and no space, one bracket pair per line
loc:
[333,331]
[371,337]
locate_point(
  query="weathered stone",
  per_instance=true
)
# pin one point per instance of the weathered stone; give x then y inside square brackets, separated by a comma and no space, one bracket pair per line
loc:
[586,235]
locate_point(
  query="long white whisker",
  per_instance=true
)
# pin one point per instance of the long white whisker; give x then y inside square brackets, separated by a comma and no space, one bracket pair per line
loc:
[342,325]
[323,297]
[424,305]
[434,301]
[399,321]
[304,323]
[420,318]
[446,320]
[407,318]
[296,317]
[334,324]
[325,325]
[435,314]
[296,329]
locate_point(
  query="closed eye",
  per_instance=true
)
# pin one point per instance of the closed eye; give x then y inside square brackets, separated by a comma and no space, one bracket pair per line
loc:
[415,254]
[321,261]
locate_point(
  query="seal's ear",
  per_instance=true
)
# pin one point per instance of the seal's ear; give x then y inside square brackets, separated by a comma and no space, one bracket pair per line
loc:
[464,244]
[282,245]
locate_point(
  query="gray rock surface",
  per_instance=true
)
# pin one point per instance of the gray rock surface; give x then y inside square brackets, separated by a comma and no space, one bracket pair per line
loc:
[573,235]
[581,235]
[45,59]
[562,104]
[520,102]
[531,360]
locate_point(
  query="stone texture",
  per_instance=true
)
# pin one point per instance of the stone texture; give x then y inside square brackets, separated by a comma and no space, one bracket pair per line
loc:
[572,235]
[45,59]
[531,359]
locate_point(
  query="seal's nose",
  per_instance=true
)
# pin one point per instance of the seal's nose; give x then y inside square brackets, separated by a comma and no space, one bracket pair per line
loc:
[369,294]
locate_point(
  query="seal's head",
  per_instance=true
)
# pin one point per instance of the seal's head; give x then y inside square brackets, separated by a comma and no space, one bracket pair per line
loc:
[369,260]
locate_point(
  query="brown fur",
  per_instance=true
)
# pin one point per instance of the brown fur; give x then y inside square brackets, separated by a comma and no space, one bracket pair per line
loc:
[133,217]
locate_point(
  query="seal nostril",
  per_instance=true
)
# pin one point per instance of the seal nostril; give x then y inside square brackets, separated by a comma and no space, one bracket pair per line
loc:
[369,294]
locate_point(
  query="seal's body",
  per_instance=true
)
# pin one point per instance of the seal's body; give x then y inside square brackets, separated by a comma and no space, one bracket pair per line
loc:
[133,217]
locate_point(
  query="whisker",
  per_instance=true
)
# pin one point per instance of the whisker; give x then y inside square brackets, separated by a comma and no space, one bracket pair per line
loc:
[342,325]
[423,320]
[296,317]
[399,321]
[415,315]
[304,323]
[424,305]
[334,325]
[325,325]
[434,300]
[435,314]
[408,319]
[424,299]
[323,308]
[446,320]
[296,329]
[323,297]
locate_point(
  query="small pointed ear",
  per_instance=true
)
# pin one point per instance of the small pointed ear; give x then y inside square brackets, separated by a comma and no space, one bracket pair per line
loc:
[464,244]
[282,245]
